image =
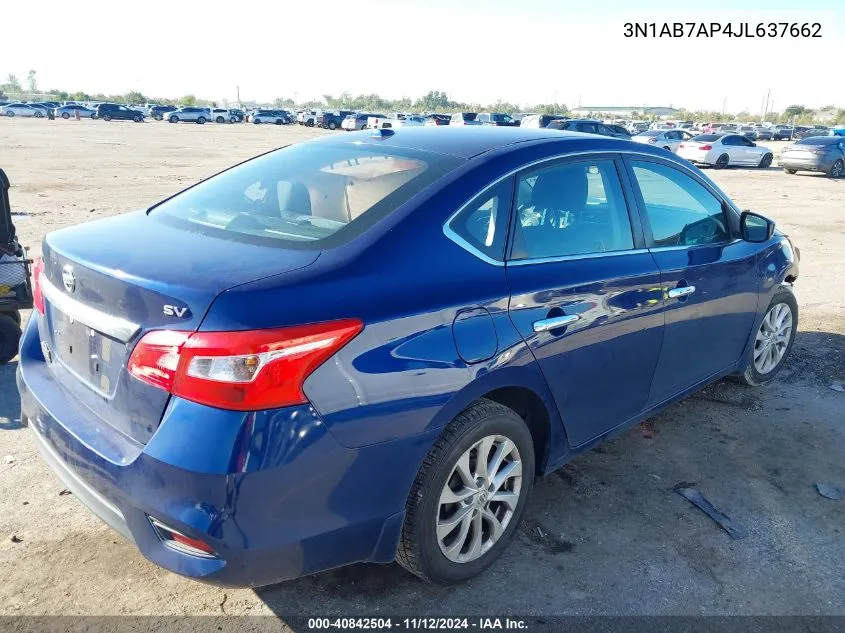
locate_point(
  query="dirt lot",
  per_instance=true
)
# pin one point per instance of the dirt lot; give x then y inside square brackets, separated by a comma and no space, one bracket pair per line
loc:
[606,535]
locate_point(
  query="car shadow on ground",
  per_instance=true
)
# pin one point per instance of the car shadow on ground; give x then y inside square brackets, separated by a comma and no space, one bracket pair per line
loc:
[610,521]
[10,402]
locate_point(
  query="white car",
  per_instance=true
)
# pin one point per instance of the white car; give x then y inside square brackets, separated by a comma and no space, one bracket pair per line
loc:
[667,139]
[410,120]
[23,109]
[722,150]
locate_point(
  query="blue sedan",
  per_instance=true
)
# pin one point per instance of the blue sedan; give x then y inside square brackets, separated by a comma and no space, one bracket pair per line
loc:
[368,348]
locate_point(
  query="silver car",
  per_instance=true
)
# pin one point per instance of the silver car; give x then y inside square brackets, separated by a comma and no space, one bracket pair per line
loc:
[190,114]
[69,111]
[23,109]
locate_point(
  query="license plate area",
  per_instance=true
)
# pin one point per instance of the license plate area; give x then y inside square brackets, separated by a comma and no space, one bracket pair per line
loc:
[92,357]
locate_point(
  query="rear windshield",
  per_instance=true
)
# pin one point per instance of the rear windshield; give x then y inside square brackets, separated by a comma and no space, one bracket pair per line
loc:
[707,138]
[307,195]
[651,133]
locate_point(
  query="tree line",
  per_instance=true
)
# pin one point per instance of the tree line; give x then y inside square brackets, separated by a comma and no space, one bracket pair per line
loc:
[432,101]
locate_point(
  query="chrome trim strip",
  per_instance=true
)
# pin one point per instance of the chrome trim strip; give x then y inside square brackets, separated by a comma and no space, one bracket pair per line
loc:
[112,326]
[449,233]
[684,247]
[567,258]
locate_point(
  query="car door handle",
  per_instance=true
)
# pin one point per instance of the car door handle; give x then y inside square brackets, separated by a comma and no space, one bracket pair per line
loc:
[544,325]
[684,291]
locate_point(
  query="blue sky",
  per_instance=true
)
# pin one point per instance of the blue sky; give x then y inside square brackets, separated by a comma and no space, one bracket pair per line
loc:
[525,52]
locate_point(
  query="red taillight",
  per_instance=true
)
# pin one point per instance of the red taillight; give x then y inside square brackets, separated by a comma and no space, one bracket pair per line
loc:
[244,371]
[681,145]
[706,148]
[37,293]
[652,140]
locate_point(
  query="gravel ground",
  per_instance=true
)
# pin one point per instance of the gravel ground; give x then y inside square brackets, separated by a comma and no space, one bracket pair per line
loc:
[605,535]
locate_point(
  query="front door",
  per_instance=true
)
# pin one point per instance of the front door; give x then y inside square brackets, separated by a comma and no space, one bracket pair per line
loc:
[709,276]
[585,294]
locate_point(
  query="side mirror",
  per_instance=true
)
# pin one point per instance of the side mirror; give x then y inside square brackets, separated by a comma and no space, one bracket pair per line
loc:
[755,228]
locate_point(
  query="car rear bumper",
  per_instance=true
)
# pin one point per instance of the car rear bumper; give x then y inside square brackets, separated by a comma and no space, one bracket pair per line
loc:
[273,493]
[805,164]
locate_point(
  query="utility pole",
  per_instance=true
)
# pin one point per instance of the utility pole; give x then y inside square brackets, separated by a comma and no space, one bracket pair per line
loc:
[766,106]
[238,92]
[724,104]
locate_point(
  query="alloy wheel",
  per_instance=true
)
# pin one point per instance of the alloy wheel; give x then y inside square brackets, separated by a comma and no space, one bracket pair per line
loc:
[773,338]
[479,498]
[837,169]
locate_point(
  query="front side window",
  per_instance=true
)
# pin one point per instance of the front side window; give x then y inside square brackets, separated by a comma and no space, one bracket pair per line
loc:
[571,209]
[483,223]
[304,194]
[680,210]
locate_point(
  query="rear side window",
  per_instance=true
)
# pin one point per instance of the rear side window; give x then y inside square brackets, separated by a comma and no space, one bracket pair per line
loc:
[483,223]
[681,211]
[571,209]
[308,195]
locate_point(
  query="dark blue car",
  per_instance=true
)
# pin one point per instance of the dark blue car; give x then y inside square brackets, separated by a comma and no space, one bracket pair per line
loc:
[366,348]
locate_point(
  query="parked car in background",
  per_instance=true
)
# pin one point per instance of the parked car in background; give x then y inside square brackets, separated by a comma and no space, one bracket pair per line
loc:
[22,110]
[724,150]
[238,116]
[331,119]
[406,120]
[118,112]
[544,292]
[464,118]
[277,117]
[711,128]
[70,111]
[667,139]
[497,118]
[763,133]
[359,120]
[158,112]
[748,132]
[587,126]
[307,117]
[221,115]
[782,132]
[635,127]
[437,119]
[190,114]
[540,120]
[620,131]
[815,153]
[806,132]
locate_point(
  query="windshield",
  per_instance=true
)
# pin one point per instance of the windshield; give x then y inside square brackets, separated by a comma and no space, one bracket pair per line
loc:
[305,195]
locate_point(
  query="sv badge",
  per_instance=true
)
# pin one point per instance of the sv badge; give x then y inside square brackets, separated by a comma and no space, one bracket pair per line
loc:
[175,311]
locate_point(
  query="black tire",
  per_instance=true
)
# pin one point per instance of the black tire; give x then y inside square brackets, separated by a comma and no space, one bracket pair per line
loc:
[174,119]
[233,119]
[256,121]
[14,315]
[419,551]
[106,117]
[310,123]
[791,172]
[220,119]
[10,337]
[10,113]
[332,125]
[39,114]
[766,161]
[750,376]
[837,169]
[278,121]
[65,116]
[137,118]
[721,162]
[666,147]
[201,120]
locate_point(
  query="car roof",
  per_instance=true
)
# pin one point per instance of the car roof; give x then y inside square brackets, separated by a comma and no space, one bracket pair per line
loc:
[470,141]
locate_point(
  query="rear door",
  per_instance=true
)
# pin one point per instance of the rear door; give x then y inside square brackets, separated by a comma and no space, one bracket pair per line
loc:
[708,275]
[585,293]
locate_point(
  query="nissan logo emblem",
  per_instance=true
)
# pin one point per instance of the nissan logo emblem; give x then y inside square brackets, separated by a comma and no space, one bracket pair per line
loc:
[68,278]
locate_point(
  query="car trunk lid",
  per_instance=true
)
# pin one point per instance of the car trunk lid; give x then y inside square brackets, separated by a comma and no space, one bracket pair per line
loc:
[109,282]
